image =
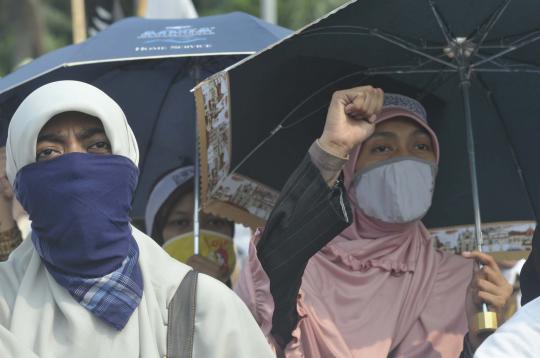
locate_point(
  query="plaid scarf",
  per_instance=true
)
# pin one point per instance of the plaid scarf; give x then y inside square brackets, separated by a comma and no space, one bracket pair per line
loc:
[112,297]
[86,242]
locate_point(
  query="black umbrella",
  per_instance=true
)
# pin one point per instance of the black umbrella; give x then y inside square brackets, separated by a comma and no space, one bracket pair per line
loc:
[459,57]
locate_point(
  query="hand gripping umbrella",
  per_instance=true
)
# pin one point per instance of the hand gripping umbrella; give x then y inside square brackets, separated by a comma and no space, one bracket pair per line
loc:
[458,58]
[148,67]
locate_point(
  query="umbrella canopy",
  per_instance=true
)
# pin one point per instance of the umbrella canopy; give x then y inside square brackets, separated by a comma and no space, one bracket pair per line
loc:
[148,67]
[259,117]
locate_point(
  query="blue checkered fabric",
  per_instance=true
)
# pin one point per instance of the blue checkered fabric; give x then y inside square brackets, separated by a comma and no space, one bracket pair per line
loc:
[113,297]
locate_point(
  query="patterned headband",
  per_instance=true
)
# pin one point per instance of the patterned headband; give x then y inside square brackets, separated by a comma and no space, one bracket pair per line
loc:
[397,100]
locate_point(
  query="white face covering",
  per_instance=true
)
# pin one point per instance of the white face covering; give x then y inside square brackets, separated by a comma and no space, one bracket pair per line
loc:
[398,190]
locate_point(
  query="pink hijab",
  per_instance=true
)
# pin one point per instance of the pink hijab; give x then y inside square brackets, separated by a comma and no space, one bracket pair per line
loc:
[372,243]
[377,288]
[380,251]
[381,275]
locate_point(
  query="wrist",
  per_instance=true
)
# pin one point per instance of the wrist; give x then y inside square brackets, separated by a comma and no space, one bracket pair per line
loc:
[337,149]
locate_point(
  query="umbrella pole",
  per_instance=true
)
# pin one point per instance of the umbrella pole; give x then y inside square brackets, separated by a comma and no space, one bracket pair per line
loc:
[465,85]
[485,321]
[196,195]
[196,179]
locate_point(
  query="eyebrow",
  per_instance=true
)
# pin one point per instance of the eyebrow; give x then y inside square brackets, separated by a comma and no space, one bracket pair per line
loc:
[182,212]
[385,135]
[392,135]
[422,132]
[51,137]
[90,132]
[60,138]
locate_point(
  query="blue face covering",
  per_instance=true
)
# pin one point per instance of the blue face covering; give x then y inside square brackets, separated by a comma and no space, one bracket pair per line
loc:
[79,206]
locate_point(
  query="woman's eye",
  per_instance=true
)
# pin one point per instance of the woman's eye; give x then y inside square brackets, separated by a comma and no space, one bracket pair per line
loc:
[101,146]
[381,149]
[182,222]
[217,222]
[423,147]
[46,154]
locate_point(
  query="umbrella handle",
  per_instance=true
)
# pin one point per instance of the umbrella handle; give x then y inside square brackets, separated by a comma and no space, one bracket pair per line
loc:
[485,322]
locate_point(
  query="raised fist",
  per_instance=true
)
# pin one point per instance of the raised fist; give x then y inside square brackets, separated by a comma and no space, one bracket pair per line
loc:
[350,119]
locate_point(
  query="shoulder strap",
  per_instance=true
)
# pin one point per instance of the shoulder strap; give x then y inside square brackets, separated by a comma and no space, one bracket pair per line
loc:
[181,324]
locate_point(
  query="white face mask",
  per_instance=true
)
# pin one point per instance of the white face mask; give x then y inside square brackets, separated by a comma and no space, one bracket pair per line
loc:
[398,190]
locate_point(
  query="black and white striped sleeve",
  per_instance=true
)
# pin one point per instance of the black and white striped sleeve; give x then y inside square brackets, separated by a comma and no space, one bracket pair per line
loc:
[308,215]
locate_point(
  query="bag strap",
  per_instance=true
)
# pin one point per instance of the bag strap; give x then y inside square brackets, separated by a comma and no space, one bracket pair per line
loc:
[181,324]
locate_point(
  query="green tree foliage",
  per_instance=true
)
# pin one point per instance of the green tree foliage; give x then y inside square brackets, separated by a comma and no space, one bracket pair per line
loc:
[22,38]
[298,13]
[213,7]
[28,28]
[293,14]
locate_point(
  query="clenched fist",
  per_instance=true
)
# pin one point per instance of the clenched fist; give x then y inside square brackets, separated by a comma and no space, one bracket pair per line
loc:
[350,119]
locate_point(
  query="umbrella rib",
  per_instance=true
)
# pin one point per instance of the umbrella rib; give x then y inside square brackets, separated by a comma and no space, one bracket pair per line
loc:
[508,70]
[320,90]
[518,67]
[485,29]
[404,69]
[367,72]
[344,27]
[409,72]
[440,21]
[516,45]
[301,119]
[495,62]
[403,44]
[398,70]
[393,39]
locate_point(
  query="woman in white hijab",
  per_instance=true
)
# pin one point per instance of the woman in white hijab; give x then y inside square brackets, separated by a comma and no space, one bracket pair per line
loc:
[87,283]
[518,337]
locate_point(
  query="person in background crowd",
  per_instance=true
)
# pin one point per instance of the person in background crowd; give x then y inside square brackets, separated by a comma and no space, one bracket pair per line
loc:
[344,266]
[86,283]
[169,221]
[518,337]
[511,270]
[10,235]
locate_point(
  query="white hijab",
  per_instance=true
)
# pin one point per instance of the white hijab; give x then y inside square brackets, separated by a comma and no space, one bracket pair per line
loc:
[39,318]
[59,97]
[517,337]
